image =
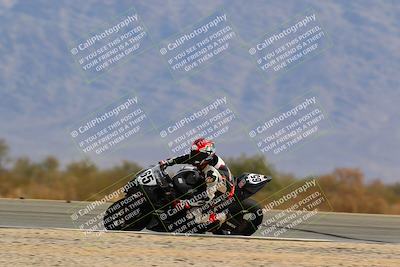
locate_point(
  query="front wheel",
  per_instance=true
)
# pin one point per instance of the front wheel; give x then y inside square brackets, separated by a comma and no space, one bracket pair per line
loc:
[120,216]
[245,218]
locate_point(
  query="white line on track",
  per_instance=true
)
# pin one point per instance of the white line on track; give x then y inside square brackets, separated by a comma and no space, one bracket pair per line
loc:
[178,234]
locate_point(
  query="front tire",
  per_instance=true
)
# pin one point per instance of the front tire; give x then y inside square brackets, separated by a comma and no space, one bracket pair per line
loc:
[119,217]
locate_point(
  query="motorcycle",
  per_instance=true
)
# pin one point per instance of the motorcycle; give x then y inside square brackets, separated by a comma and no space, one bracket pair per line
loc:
[157,202]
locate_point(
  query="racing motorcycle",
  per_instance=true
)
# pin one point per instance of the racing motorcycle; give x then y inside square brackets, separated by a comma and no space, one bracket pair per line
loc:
[157,202]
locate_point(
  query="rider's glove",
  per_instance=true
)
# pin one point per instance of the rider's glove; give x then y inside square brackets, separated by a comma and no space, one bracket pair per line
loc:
[198,203]
[165,163]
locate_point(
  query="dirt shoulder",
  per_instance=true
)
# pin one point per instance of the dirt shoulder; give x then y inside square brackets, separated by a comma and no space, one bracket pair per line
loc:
[30,247]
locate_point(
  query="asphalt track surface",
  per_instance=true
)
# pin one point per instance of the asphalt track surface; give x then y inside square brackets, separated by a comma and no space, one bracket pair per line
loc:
[324,226]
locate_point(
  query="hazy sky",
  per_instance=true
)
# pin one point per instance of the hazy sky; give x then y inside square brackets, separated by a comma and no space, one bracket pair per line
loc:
[312,85]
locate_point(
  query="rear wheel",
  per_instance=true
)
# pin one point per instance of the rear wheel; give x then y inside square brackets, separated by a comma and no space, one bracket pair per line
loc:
[245,219]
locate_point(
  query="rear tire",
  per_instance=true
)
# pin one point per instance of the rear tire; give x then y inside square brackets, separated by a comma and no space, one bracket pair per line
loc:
[246,216]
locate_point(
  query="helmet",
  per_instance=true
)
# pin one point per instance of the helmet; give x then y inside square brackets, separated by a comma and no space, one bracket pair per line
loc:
[202,149]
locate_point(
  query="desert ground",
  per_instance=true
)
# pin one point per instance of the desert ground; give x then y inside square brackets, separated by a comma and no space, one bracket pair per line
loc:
[58,247]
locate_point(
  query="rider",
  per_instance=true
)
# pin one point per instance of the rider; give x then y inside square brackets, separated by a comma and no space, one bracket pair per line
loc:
[202,154]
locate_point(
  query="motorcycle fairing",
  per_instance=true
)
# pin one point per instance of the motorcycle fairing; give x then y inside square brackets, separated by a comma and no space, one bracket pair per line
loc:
[250,183]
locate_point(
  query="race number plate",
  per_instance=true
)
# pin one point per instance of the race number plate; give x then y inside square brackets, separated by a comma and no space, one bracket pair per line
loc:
[147,178]
[254,178]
